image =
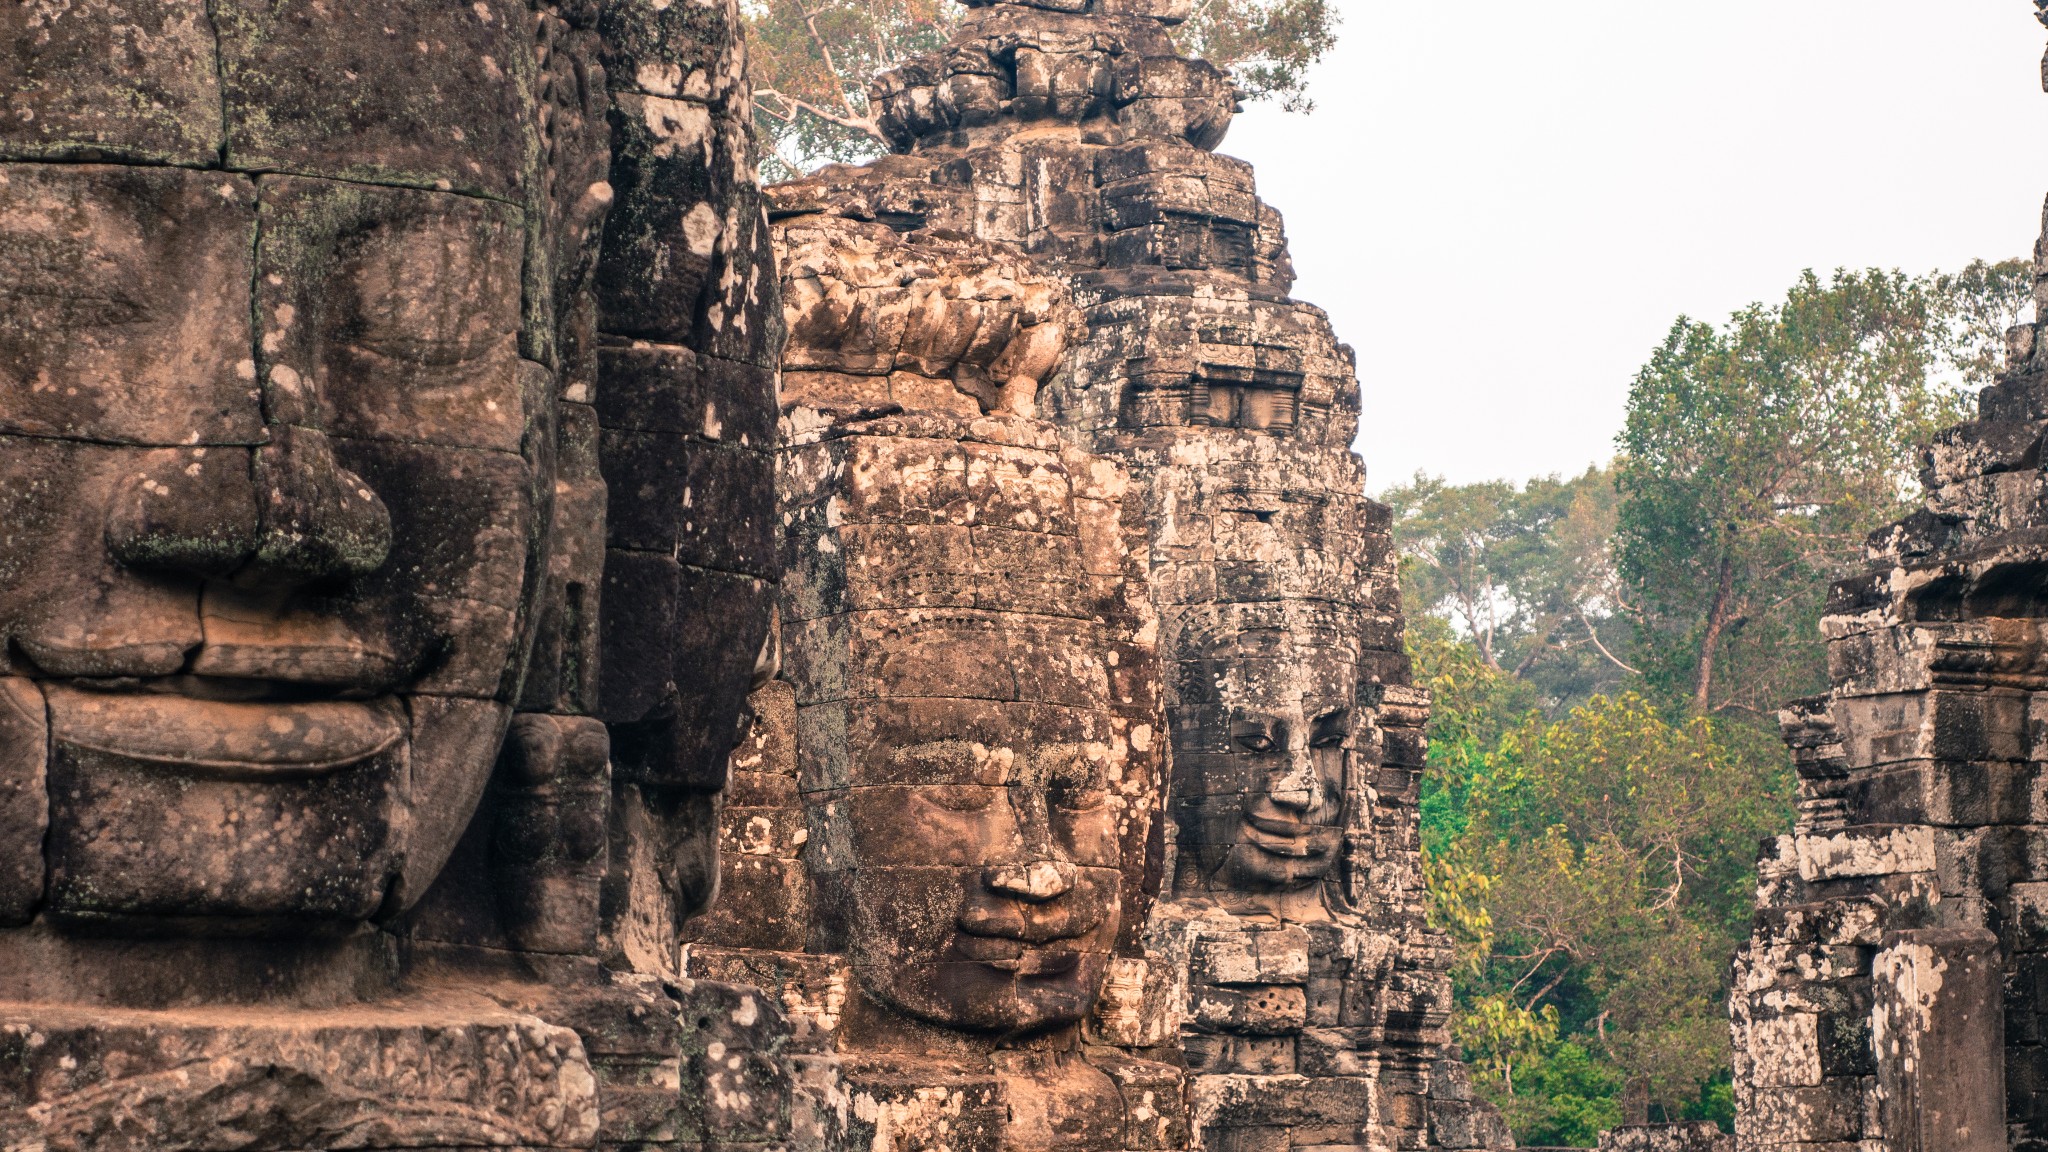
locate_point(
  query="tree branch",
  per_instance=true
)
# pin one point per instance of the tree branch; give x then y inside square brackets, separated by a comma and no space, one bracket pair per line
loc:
[1593,634]
[864,125]
[1545,990]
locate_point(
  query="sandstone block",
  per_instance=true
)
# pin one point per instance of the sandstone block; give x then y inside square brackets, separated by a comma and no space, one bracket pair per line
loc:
[127,310]
[126,81]
[381,93]
[174,1081]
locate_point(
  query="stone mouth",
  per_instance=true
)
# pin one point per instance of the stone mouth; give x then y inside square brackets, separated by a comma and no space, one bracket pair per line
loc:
[1286,837]
[1016,956]
[1007,954]
[244,739]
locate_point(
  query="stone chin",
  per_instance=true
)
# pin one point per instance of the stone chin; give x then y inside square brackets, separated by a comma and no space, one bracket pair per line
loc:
[1040,988]
[939,955]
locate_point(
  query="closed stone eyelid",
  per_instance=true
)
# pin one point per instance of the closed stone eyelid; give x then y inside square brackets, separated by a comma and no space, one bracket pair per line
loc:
[958,797]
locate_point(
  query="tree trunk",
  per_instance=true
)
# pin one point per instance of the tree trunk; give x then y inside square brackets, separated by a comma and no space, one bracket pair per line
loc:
[1717,620]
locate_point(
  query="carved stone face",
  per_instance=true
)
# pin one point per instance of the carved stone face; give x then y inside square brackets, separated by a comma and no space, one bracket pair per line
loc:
[270,475]
[988,854]
[976,671]
[1264,764]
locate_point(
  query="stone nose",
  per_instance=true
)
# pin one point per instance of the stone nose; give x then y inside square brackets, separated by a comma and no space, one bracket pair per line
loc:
[285,515]
[192,513]
[1300,788]
[1037,882]
[317,521]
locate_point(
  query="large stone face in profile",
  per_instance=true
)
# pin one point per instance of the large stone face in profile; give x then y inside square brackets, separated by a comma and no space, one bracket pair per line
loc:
[303,495]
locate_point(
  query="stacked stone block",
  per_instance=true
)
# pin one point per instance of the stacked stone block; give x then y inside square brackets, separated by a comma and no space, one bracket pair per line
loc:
[1890,992]
[941,843]
[387,403]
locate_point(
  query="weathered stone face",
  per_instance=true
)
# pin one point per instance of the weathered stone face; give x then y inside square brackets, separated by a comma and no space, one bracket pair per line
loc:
[977,710]
[376,379]
[986,850]
[278,462]
[1264,735]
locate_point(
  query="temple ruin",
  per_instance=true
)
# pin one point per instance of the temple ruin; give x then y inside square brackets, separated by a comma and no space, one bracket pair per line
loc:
[450,705]
[517,636]
[1055,244]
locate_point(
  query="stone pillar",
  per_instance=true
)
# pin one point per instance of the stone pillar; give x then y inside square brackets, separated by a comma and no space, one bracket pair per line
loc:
[1891,989]
[1939,1032]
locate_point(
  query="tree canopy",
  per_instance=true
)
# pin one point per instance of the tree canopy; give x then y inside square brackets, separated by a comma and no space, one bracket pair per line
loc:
[1606,654]
[1524,572]
[811,60]
[1757,456]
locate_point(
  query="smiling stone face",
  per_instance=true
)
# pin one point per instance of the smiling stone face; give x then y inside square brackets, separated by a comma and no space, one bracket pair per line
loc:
[986,879]
[1265,734]
[978,708]
[273,448]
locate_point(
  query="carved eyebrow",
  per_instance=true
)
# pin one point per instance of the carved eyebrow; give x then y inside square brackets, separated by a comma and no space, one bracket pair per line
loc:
[1336,719]
[1241,722]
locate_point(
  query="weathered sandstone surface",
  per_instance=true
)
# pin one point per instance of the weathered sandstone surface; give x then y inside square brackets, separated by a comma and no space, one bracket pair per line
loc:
[469,681]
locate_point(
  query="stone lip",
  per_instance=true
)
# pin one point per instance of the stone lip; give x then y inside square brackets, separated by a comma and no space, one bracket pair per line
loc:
[240,739]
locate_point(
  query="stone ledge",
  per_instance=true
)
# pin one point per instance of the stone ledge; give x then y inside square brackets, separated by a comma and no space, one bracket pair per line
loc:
[220,1079]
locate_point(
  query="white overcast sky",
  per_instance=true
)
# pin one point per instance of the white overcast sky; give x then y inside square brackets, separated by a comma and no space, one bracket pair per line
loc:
[1504,204]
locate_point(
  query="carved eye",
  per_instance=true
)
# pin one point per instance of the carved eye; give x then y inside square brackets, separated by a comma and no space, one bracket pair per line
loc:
[1080,797]
[1331,729]
[958,797]
[1074,783]
[1258,732]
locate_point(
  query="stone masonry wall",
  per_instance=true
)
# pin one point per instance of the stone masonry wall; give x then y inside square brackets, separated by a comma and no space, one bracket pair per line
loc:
[1055,241]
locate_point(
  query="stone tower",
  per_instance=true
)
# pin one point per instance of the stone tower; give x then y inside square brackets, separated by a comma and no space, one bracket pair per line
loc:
[1054,243]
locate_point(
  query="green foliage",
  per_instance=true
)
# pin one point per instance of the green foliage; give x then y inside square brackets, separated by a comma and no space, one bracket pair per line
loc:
[1524,573]
[1758,456]
[1267,45]
[1980,304]
[1595,872]
[1605,655]
[810,62]
[1475,704]
[1570,1094]
[1500,1037]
